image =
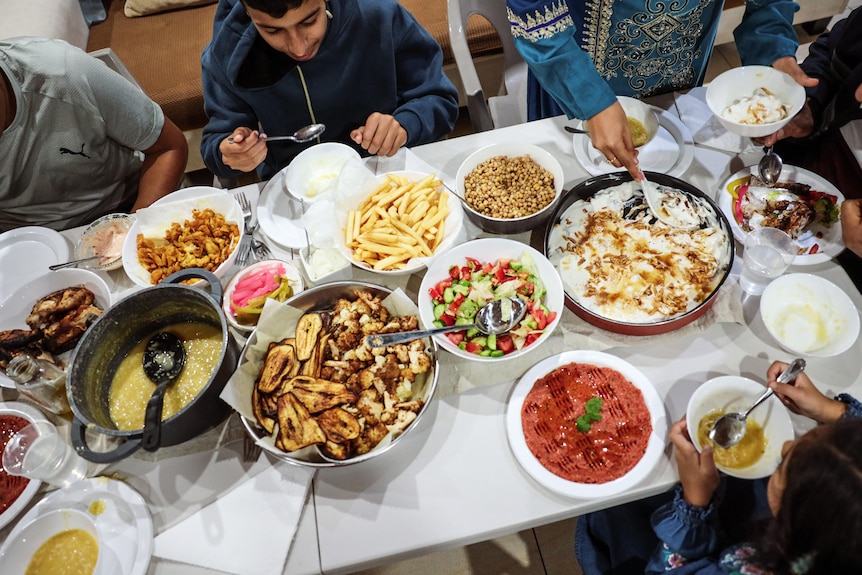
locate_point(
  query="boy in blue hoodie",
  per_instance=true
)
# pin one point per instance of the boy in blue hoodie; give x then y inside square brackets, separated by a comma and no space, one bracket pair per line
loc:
[366,69]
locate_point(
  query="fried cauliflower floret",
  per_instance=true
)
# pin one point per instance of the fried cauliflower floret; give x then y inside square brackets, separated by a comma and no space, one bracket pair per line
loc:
[408,322]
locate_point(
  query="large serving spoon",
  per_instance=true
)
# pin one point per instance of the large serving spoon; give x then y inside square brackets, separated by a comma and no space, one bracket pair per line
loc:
[654,201]
[492,318]
[302,135]
[770,166]
[730,427]
[164,358]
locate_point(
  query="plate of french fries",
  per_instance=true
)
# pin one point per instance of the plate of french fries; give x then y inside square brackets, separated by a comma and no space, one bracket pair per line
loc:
[191,228]
[397,222]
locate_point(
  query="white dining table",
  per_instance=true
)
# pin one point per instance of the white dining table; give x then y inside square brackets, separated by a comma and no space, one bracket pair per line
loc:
[453,480]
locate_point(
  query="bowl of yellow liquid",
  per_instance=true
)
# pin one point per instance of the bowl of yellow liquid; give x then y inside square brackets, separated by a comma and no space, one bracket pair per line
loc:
[769,426]
[642,120]
[60,542]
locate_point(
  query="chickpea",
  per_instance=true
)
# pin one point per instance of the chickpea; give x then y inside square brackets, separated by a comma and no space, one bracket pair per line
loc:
[509,188]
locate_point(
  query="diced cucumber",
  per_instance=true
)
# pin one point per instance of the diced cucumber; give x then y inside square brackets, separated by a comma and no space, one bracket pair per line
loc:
[438,323]
[472,332]
[448,295]
[480,340]
[462,345]
[439,309]
[497,353]
[463,321]
[492,341]
[461,289]
[485,352]
[515,265]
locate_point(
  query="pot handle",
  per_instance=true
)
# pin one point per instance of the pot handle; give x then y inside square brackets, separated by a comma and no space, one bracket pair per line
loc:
[79,441]
[216,291]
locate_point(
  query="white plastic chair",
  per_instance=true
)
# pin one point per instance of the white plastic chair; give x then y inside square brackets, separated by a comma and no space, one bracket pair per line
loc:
[509,106]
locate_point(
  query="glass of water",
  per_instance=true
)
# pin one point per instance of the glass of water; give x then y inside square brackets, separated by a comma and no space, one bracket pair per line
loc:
[39,451]
[768,253]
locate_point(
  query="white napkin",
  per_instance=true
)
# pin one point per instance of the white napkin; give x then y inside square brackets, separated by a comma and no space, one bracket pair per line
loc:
[705,127]
[249,531]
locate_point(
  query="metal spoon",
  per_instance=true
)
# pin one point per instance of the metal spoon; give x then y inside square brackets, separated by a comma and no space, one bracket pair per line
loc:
[164,358]
[490,319]
[75,262]
[730,428]
[770,166]
[575,130]
[302,135]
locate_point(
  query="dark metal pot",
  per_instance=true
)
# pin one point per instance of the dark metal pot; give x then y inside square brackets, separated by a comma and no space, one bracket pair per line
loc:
[107,342]
[588,189]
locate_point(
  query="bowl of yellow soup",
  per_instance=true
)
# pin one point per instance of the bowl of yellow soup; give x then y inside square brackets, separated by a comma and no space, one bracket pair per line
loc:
[769,426]
[108,391]
[60,542]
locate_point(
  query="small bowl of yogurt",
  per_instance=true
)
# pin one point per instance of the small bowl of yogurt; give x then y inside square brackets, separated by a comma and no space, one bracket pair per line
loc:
[105,238]
[809,315]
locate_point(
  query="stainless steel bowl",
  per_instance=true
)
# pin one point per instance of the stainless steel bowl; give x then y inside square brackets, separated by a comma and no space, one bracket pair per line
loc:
[321,298]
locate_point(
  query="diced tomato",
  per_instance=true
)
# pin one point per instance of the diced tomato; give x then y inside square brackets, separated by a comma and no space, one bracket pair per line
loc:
[455,273]
[443,284]
[552,316]
[505,343]
[447,318]
[474,263]
[435,294]
[540,317]
[531,338]
[456,337]
[499,275]
[503,262]
[527,288]
[456,303]
[814,249]
[465,273]
[487,268]
[473,347]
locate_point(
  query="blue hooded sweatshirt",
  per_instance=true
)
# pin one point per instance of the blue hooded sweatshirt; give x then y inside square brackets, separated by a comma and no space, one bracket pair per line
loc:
[374,57]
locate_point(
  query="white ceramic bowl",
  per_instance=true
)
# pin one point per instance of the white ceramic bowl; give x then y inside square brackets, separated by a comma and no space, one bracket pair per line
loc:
[290,271]
[490,250]
[86,245]
[735,83]
[734,393]
[178,207]
[511,150]
[340,270]
[16,553]
[312,174]
[454,222]
[643,113]
[808,315]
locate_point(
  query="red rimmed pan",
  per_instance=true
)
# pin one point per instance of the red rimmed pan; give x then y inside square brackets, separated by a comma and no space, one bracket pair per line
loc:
[585,191]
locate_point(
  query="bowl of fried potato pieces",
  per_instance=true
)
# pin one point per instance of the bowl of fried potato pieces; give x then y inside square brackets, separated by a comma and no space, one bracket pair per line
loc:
[196,227]
[396,223]
[310,391]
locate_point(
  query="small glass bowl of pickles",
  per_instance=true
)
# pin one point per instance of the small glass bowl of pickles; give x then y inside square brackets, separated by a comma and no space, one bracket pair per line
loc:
[248,290]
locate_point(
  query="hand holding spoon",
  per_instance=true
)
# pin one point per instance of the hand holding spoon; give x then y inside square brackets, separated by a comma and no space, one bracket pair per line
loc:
[302,135]
[490,319]
[730,427]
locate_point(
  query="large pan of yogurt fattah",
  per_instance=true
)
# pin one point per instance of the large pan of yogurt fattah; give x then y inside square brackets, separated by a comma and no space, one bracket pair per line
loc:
[625,271]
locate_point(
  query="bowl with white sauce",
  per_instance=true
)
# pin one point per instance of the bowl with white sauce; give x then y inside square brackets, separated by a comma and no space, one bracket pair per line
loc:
[809,315]
[625,271]
[754,101]
[104,238]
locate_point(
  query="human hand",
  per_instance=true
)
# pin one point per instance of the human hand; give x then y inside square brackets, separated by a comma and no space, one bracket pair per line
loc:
[800,396]
[610,135]
[800,126]
[381,135]
[697,472]
[851,225]
[789,65]
[243,150]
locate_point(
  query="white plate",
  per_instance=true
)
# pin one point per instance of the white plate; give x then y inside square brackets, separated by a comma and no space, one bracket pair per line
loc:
[655,444]
[125,525]
[17,306]
[28,412]
[26,253]
[670,152]
[280,215]
[830,244]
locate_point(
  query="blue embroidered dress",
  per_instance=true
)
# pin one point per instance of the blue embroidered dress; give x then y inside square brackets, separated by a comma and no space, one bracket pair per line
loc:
[581,54]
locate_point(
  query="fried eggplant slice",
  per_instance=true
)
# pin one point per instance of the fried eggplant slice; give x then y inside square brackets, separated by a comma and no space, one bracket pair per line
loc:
[319,394]
[307,332]
[296,427]
[277,367]
[259,409]
[339,425]
[311,367]
[340,451]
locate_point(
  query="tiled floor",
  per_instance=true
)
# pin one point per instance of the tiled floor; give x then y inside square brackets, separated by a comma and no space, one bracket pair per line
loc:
[546,550]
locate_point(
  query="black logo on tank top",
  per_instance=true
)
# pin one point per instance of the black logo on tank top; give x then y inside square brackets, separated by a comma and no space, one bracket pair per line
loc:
[81,153]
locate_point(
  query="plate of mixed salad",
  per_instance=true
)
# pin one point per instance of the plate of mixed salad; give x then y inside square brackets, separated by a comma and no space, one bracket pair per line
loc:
[802,203]
[475,273]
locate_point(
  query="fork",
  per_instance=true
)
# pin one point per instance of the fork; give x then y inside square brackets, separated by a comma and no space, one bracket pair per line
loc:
[261,250]
[245,241]
[250,449]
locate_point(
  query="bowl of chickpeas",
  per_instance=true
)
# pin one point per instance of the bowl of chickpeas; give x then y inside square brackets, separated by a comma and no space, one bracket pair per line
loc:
[509,188]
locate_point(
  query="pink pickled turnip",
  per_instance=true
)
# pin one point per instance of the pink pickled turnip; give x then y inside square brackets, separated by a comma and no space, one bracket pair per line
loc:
[258,282]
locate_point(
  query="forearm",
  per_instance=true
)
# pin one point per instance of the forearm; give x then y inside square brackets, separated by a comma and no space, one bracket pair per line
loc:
[766,32]
[163,167]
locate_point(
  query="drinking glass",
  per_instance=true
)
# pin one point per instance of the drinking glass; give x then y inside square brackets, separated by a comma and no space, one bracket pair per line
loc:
[38,451]
[768,253]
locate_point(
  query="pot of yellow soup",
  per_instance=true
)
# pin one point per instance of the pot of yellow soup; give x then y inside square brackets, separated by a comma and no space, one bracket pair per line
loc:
[106,385]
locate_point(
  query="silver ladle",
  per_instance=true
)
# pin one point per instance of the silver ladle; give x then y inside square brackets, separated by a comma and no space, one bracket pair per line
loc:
[730,427]
[164,358]
[302,135]
[770,166]
[489,320]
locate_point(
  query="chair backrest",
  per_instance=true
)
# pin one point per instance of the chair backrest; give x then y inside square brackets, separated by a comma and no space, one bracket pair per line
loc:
[509,103]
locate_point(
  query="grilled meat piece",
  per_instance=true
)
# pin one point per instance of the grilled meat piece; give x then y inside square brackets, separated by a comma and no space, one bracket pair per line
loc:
[49,308]
[64,333]
[14,338]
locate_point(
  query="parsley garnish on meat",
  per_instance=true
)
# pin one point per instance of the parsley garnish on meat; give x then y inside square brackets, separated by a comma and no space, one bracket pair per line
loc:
[593,410]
